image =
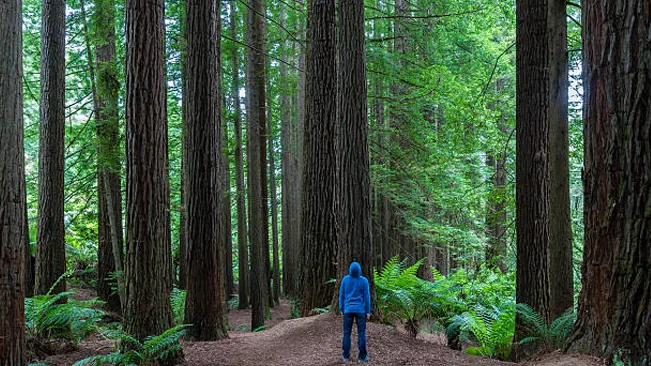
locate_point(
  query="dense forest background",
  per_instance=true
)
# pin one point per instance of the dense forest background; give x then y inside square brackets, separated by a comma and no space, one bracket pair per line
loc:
[185,158]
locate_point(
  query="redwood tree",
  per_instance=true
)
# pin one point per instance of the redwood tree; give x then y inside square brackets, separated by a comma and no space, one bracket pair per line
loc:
[614,306]
[318,230]
[256,125]
[242,236]
[148,267]
[532,168]
[51,246]
[12,181]
[354,206]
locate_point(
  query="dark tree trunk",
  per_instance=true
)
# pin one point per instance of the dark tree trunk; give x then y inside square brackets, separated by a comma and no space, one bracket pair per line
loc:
[255,112]
[148,269]
[289,177]
[12,181]
[319,230]
[560,222]
[613,314]
[242,236]
[496,215]
[109,155]
[51,246]
[229,281]
[205,173]
[275,268]
[354,200]
[183,222]
[532,168]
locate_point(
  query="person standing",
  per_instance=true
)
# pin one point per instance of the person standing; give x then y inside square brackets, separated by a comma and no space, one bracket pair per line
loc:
[355,305]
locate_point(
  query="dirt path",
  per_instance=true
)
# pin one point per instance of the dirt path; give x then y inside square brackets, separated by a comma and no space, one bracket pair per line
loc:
[313,341]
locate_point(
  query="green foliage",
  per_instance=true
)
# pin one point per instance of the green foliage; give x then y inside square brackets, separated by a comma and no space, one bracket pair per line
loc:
[492,327]
[153,349]
[177,299]
[546,337]
[60,316]
[403,297]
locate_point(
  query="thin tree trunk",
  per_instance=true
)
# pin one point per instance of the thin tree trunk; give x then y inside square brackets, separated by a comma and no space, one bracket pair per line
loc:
[560,222]
[242,236]
[318,219]
[51,246]
[148,266]
[29,259]
[275,294]
[12,181]
[613,313]
[183,222]
[255,112]
[532,168]
[229,281]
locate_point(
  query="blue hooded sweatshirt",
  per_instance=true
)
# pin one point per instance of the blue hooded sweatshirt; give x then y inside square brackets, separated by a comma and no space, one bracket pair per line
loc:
[354,294]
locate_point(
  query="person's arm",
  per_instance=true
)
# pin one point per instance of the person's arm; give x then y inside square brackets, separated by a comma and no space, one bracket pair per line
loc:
[367,298]
[341,296]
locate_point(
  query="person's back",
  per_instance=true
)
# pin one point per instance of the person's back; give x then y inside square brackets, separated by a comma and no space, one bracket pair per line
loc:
[354,304]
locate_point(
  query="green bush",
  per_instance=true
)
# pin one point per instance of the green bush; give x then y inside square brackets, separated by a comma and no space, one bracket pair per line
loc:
[59,316]
[177,299]
[491,327]
[154,349]
[403,297]
[546,338]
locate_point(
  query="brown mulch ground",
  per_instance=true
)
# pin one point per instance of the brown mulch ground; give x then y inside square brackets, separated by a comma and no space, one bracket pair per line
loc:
[316,341]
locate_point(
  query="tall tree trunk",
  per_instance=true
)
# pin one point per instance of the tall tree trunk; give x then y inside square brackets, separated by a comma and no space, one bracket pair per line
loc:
[205,170]
[289,176]
[613,314]
[255,112]
[183,222]
[148,269]
[319,230]
[242,236]
[354,200]
[51,246]
[532,168]
[109,191]
[227,234]
[560,222]
[275,293]
[12,181]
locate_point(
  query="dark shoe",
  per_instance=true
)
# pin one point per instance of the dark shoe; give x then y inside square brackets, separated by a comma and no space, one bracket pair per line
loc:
[344,358]
[364,359]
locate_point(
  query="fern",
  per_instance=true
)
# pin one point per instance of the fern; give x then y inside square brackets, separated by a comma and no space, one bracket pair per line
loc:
[59,316]
[547,337]
[155,348]
[177,299]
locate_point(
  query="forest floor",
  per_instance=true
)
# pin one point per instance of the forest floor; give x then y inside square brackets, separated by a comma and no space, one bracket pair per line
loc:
[315,341]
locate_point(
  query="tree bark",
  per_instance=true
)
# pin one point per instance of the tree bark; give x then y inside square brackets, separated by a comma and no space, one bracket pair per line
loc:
[613,314]
[12,181]
[229,281]
[30,261]
[255,112]
[183,222]
[205,174]
[318,219]
[148,269]
[242,236]
[560,222]
[51,246]
[532,168]
[354,201]
[109,190]
[275,293]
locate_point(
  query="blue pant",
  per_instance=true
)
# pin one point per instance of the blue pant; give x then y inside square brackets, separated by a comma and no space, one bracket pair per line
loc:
[360,318]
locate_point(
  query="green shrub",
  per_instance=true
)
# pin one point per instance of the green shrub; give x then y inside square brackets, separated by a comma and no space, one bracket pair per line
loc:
[491,327]
[154,349]
[177,299]
[59,316]
[403,297]
[546,338]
